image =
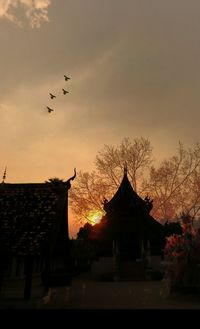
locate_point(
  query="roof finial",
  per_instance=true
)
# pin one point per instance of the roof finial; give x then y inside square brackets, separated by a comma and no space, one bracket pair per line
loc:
[71,178]
[4,174]
[125,168]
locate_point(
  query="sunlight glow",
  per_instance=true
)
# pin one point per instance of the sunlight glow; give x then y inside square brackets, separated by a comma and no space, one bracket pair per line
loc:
[94,216]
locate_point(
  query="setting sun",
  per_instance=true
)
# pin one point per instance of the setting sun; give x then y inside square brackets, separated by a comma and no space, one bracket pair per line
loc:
[94,216]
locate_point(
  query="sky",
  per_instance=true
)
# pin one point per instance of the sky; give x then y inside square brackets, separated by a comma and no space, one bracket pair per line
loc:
[133,68]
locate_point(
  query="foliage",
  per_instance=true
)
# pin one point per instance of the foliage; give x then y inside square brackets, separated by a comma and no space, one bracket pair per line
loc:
[54,180]
[172,228]
[182,256]
[85,232]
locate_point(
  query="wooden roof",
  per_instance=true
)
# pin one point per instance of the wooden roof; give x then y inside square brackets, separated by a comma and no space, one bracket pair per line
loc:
[127,212]
[30,215]
[125,197]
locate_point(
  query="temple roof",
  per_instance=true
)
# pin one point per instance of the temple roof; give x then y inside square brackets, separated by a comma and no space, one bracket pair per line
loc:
[125,197]
[29,213]
[127,205]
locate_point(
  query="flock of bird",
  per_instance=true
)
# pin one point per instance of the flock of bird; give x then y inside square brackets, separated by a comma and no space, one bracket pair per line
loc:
[52,96]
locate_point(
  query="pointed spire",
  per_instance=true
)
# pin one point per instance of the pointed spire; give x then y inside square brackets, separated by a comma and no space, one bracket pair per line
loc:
[4,174]
[125,168]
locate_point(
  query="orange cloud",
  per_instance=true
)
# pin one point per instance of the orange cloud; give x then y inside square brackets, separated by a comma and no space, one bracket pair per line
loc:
[35,11]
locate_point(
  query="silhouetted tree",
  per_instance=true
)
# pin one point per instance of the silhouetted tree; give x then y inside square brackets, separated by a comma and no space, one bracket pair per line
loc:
[137,154]
[85,232]
[174,185]
[87,193]
[54,180]
[90,189]
[172,228]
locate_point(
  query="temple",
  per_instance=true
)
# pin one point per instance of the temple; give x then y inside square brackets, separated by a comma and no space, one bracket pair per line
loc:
[130,224]
[34,235]
[128,233]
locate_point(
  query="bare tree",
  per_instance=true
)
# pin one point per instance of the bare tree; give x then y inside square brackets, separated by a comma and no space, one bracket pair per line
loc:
[87,193]
[137,154]
[175,185]
[90,189]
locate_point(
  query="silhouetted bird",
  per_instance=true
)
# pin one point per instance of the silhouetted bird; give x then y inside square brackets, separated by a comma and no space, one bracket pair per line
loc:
[49,109]
[52,96]
[66,78]
[64,91]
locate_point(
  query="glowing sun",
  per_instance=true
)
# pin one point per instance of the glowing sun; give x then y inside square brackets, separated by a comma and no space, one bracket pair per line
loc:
[94,216]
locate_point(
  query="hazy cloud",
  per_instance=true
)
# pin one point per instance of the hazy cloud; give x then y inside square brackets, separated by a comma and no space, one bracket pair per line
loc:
[134,72]
[36,11]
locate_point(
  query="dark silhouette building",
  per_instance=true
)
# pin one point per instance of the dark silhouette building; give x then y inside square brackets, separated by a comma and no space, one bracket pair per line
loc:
[129,223]
[34,230]
[127,233]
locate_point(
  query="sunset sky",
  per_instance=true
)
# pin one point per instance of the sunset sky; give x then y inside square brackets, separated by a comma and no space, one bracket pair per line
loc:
[134,69]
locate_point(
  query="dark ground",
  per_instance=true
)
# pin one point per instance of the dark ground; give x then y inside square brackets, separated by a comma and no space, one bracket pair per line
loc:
[85,293]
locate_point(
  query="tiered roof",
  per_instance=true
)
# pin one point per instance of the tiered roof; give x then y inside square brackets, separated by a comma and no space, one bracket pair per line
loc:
[127,211]
[125,197]
[31,215]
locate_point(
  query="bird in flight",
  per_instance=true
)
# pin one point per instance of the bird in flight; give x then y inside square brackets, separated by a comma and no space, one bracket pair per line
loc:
[52,96]
[64,91]
[49,109]
[66,78]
